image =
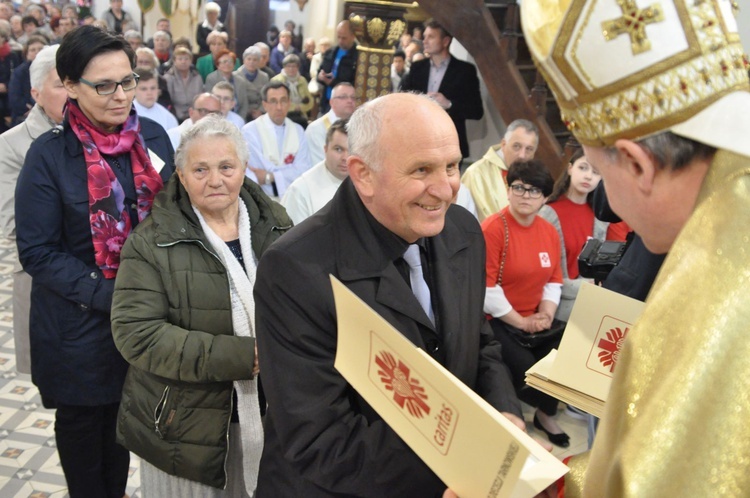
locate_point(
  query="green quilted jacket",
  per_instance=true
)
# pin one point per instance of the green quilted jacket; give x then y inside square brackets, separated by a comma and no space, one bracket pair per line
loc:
[172,321]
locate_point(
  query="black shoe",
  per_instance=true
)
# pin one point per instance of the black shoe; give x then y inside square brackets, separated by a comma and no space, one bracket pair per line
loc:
[562,440]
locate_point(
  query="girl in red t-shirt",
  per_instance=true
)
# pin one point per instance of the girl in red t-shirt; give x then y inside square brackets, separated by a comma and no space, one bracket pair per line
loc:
[570,211]
[524,280]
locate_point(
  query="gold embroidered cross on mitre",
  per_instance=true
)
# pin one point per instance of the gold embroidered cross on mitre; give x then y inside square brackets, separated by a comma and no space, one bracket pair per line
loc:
[633,23]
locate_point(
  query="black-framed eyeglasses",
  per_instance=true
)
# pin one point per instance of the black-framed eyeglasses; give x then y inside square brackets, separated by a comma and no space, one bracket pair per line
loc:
[519,190]
[110,87]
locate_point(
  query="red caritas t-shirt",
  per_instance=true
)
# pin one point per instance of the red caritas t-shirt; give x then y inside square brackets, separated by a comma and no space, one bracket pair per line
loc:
[532,261]
[577,224]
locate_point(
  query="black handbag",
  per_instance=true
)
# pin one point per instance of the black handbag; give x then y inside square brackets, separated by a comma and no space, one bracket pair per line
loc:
[525,339]
[531,341]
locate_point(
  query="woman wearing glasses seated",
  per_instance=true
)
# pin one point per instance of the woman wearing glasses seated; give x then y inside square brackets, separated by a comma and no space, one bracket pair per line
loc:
[524,282]
[83,188]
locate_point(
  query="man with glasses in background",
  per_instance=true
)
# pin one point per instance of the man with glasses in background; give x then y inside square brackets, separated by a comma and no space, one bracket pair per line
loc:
[203,105]
[343,103]
[278,147]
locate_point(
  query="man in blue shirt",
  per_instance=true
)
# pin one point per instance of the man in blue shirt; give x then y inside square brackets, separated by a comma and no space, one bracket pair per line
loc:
[339,63]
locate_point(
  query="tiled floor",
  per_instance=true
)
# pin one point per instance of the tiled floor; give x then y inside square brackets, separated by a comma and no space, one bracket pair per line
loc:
[29,466]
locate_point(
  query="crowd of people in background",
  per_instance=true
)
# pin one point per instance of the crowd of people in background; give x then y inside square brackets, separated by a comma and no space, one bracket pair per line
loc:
[26,28]
[299,62]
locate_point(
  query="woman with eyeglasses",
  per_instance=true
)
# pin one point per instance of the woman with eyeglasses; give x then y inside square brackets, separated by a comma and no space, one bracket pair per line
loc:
[217,41]
[524,282]
[83,188]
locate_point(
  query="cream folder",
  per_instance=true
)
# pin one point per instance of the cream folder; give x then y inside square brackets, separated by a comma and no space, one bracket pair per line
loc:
[474,449]
[588,353]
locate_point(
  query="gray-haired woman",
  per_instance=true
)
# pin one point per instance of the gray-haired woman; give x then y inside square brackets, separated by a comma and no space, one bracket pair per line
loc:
[182,316]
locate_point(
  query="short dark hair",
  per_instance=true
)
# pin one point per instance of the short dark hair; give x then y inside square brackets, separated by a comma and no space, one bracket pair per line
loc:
[273,85]
[339,126]
[533,173]
[433,24]
[399,53]
[28,19]
[674,152]
[83,44]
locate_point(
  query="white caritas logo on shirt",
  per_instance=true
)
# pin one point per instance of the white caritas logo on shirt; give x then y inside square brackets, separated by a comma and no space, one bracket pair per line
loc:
[544,259]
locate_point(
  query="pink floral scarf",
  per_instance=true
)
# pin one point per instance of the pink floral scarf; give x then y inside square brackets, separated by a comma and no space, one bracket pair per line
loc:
[108,214]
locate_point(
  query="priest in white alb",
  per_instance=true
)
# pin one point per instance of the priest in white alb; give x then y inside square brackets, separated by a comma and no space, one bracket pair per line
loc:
[278,148]
[317,186]
[343,103]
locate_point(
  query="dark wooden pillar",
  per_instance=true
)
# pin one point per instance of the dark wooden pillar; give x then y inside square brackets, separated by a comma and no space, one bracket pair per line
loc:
[471,23]
[247,23]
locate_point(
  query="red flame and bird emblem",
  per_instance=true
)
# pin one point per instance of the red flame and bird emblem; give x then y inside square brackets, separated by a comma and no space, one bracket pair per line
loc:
[610,347]
[396,376]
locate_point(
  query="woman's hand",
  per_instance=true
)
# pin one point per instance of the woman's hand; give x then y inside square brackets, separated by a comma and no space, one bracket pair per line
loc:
[535,323]
[543,320]
[529,324]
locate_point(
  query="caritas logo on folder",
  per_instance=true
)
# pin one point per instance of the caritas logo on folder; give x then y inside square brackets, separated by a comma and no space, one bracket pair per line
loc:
[605,350]
[418,402]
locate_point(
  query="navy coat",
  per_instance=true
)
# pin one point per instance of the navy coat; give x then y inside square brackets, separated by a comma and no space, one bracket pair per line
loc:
[73,356]
[20,100]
